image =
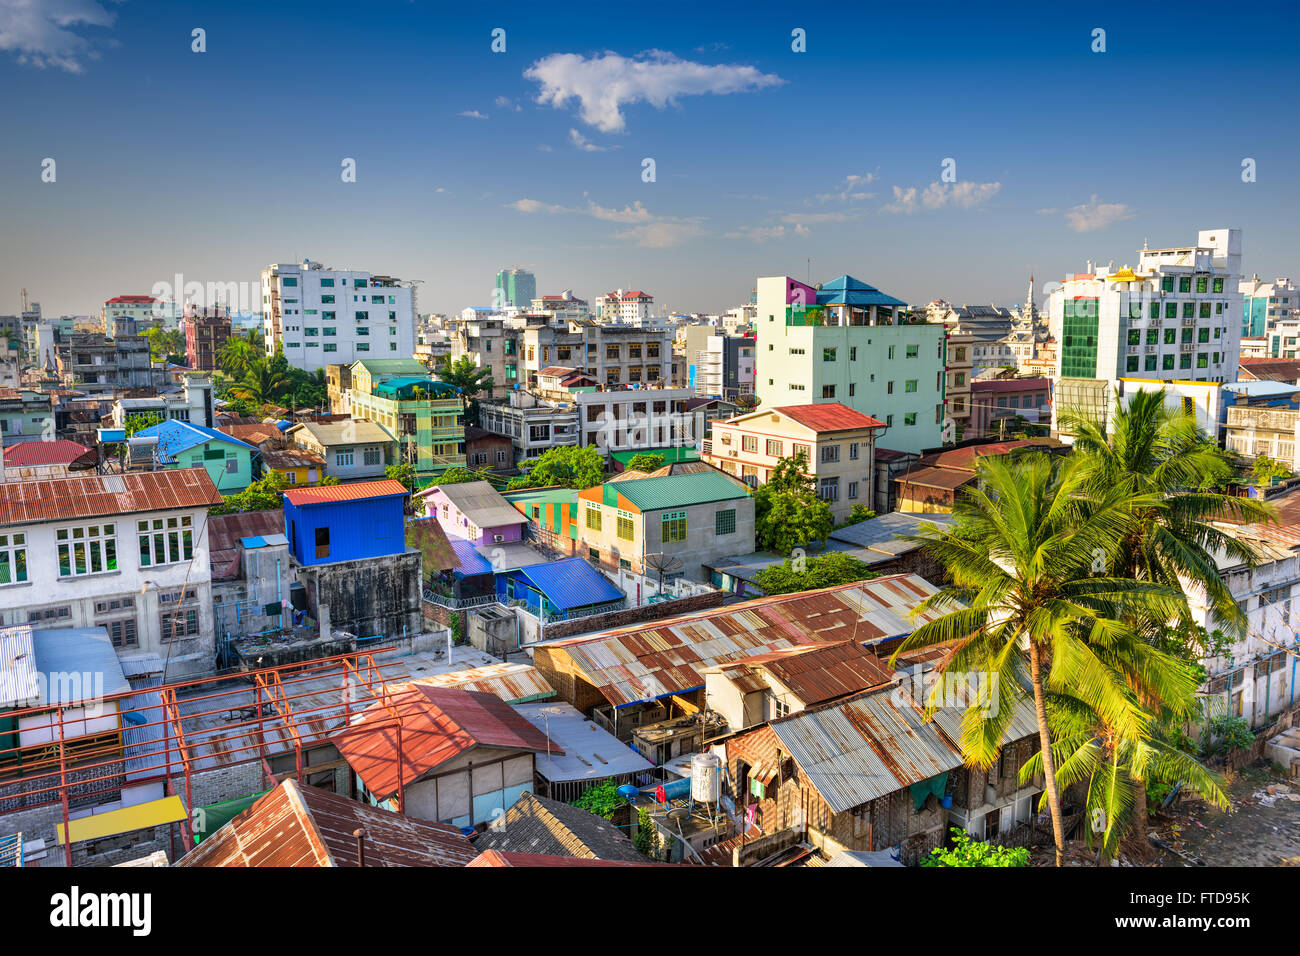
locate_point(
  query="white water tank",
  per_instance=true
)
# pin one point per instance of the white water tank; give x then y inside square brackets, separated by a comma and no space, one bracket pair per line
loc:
[705,777]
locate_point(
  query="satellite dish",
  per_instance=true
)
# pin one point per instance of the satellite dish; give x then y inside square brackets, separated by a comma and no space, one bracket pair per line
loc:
[662,564]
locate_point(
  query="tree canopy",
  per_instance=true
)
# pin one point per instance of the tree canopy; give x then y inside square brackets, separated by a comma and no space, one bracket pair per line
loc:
[808,574]
[570,466]
[787,511]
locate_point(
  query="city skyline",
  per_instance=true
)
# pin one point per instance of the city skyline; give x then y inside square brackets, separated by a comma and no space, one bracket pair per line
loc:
[214,164]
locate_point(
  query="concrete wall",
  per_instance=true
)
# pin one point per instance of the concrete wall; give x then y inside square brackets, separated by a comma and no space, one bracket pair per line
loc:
[373,596]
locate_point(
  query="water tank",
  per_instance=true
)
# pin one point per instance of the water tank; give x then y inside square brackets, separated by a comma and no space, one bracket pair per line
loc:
[705,777]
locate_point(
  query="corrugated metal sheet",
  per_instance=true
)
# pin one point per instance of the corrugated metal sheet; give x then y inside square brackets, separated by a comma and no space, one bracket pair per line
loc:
[815,674]
[349,492]
[226,531]
[101,496]
[680,491]
[571,582]
[297,825]
[58,452]
[648,661]
[590,751]
[85,653]
[479,502]
[828,417]
[438,724]
[20,683]
[866,747]
[512,682]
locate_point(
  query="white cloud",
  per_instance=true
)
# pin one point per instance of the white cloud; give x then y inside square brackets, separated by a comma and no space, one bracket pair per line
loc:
[647,228]
[967,195]
[1051,211]
[850,190]
[40,31]
[473,114]
[506,103]
[756,233]
[606,83]
[661,234]
[585,144]
[800,218]
[1094,215]
[536,205]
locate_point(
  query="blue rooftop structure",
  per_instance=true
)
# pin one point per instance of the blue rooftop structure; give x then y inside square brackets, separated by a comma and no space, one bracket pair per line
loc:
[847,290]
[176,436]
[468,561]
[558,588]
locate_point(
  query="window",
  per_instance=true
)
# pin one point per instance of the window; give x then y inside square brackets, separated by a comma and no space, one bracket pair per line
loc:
[853,451]
[179,616]
[327,300]
[331,347]
[674,527]
[1184,283]
[913,351]
[830,453]
[1218,285]
[775,448]
[724,522]
[1202,284]
[165,540]
[373,456]
[828,355]
[829,490]
[909,418]
[828,391]
[87,550]
[13,558]
[805,451]
[322,542]
[1131,364]
[290,280]
[910,385]
[853,387]
[889,388]
[624,527]
[593,516]
[748,443]
[343,459]
[122,633]
[853,489]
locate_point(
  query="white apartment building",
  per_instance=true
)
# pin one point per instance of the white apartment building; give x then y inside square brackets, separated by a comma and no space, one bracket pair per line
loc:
[532,424]
[323,317]
[1266,303]
[123,552]
[846,341]
[1175,317]
[143,310]
[633,307]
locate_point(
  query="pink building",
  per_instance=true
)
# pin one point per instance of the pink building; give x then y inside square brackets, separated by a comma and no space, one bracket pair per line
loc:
[474,512]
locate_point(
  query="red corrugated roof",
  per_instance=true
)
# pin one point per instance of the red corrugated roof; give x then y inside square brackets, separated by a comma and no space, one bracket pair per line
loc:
[499,859]
[95,496]
[132,298]
[829,417]
[438,724]
[352,492]
[58,452]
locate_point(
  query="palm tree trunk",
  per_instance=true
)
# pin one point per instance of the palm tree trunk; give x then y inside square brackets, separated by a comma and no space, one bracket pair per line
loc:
[1139,829]
[1045,742]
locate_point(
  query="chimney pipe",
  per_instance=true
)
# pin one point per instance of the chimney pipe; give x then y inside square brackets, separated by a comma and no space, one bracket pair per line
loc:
[360,834]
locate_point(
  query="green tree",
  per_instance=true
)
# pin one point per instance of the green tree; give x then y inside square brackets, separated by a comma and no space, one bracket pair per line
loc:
[788,514]
[1159,455]
[1266,469]
[645,462]
[809,574]
[602,799]
[139,422]
[569,466]
[237,355]
[456,476]
[859,514]
[266,382]
[165,345]
[1027,608]
[262,495]
[470,378]
[404,472]
[967,852]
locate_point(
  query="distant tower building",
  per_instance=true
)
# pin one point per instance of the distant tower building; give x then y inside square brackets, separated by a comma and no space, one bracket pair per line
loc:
[515,287]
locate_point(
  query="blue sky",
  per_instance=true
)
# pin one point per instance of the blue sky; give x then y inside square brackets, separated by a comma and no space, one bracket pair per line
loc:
[215,164]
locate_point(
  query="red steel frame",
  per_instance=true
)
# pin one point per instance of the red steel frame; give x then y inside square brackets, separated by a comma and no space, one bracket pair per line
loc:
[272,686]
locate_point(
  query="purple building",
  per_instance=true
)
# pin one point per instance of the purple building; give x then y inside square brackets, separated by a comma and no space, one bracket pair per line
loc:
[474,512]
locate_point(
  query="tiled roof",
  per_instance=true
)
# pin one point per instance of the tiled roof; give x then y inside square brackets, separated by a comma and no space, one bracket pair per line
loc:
[829,417]
[438,725]
[58,452]
[93,496]
[349,492]
[297,825]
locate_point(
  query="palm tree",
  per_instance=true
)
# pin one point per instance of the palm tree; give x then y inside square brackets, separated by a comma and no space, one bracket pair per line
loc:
[1160,453]
[236,356]
[263,384]
[465,375]
[1027,609]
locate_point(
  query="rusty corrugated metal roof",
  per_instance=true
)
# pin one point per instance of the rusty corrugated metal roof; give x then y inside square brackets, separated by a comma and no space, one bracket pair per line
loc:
[866,747]
[350,492]
[297,825]
[648,661]
[101,496]
[514,683]
[815,674]
[438,724]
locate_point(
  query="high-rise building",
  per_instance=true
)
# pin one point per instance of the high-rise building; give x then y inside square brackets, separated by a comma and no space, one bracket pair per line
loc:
[848,342]
[515,287]
[323,317]
[1175,319]
[1264,304]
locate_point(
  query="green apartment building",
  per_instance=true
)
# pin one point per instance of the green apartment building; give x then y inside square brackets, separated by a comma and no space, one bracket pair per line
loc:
[427,417]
